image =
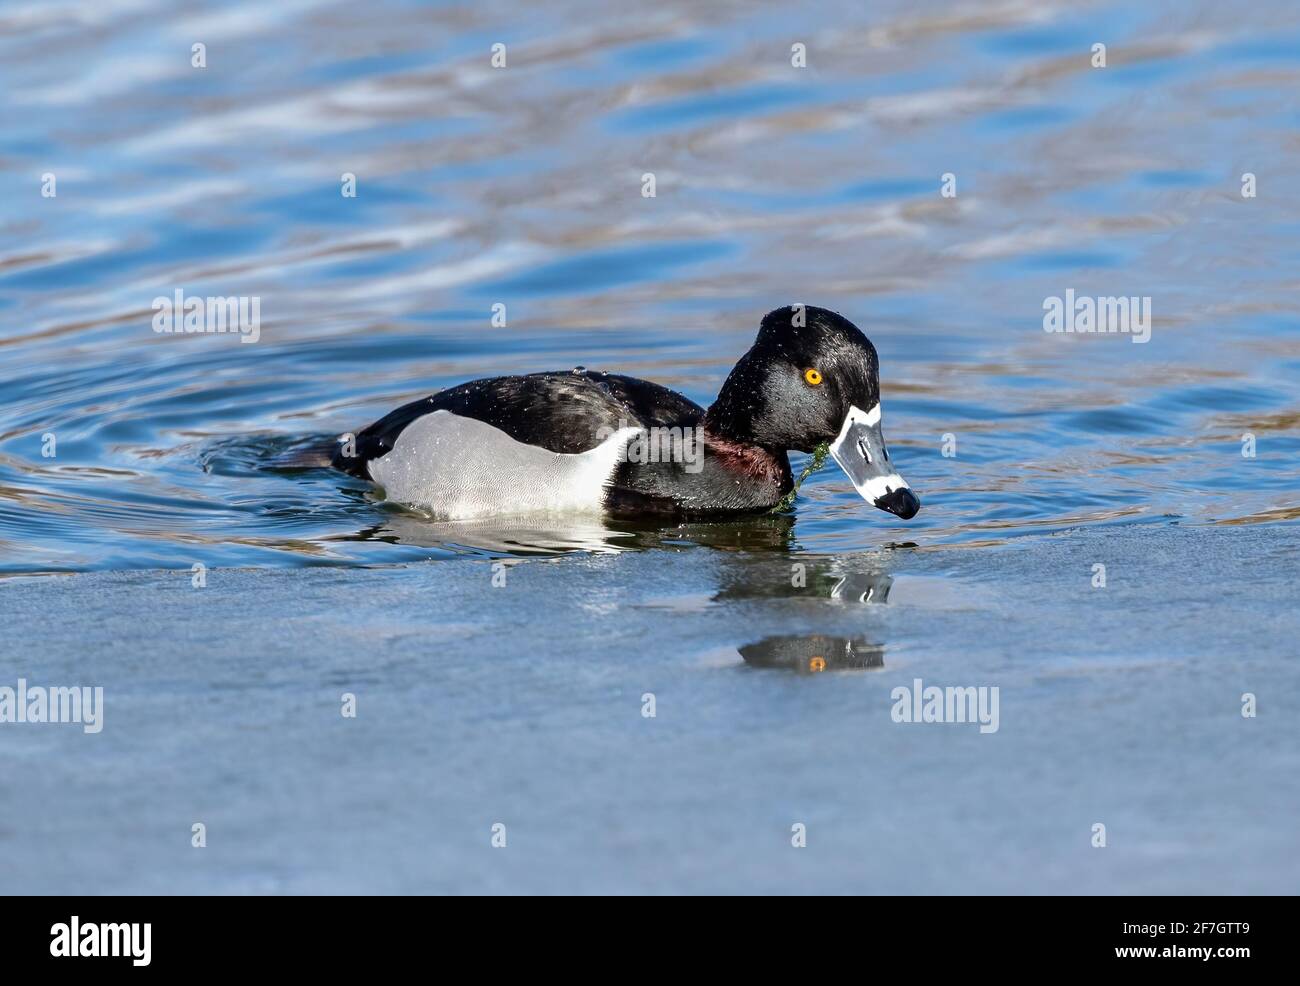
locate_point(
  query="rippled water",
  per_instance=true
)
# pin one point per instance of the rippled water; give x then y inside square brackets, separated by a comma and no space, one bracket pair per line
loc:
[522,186]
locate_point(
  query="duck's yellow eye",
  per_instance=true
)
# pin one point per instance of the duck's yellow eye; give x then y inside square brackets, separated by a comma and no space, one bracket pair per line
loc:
[812,376]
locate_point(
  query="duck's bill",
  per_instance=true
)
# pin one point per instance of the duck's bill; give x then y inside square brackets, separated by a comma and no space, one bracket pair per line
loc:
[860,451]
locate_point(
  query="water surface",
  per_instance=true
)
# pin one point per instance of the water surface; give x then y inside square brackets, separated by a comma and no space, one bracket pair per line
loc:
[522,186]
[1037,456]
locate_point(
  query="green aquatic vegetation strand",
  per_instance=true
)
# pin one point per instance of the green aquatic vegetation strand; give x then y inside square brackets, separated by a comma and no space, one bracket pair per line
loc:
[818,457]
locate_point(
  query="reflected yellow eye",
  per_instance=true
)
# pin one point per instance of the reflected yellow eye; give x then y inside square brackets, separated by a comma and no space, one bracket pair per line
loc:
[812,376]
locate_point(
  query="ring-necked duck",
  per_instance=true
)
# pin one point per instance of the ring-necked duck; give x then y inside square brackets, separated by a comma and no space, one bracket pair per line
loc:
[585,441]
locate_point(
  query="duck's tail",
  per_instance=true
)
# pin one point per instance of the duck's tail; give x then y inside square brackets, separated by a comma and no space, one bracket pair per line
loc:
[311,452]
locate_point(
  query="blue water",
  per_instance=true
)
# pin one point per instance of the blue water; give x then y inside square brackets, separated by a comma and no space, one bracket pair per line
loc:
[1036,455]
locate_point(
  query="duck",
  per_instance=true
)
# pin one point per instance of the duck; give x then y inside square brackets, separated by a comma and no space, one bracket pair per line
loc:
[584,441]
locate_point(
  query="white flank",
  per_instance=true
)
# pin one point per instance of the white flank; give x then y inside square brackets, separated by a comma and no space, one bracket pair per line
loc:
[459,468]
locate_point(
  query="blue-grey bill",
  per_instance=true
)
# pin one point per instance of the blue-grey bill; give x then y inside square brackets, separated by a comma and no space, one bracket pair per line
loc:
[861,453]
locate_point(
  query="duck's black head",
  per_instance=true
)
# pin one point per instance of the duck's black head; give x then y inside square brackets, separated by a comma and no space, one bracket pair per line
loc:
[813,377]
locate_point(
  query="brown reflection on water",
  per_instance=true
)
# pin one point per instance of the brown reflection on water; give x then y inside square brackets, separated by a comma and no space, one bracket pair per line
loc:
[814,654]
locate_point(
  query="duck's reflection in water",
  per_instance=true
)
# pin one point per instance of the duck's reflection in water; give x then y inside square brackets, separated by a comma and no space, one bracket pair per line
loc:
[814,653]
[863,587]
[804,576]
[556,535]
[501,536]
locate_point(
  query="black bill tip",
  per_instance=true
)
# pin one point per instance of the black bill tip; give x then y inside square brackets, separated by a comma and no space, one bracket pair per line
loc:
[902,502]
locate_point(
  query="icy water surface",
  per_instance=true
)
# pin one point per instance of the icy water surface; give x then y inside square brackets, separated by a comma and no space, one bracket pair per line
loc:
[1037,456]
[522,706]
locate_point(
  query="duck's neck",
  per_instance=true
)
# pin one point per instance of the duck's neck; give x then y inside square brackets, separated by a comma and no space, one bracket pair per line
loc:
[729,433]
[750,463]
